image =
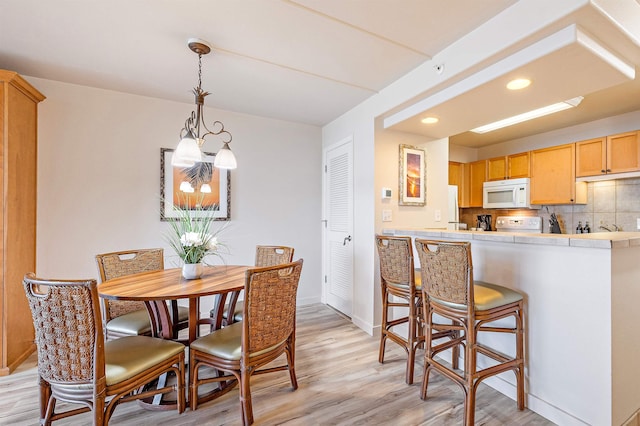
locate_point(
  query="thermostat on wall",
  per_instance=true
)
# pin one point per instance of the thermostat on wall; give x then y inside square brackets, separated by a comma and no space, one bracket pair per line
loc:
[386,193]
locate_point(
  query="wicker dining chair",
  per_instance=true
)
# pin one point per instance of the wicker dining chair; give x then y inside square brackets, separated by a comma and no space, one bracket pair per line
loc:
[472,307]
[127,317]
[266,332]
[76,365]
[265,256]
[401,289]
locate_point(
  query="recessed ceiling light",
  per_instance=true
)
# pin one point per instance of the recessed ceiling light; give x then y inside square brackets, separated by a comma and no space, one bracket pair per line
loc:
[518,83]
[430,120]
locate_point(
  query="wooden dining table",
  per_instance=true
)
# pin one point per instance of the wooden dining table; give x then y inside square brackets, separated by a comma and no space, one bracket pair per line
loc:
[156,287]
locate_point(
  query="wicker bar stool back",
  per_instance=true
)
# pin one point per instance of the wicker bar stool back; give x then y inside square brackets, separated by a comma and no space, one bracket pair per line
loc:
[76,365]
[397,278]
[472,307]
[267,331]
[265,256]
[126,317]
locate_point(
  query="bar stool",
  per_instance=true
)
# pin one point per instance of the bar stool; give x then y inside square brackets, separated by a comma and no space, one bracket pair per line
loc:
[397,278]
[450,292]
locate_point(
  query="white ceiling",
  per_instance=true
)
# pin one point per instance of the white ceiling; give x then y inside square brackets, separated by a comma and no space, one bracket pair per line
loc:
[306,61]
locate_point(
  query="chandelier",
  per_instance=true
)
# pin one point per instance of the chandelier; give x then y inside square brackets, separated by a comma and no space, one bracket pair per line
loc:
[189,150]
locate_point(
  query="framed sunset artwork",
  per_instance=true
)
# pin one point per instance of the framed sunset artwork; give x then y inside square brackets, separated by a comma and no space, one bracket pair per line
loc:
[197,188]
[413,172]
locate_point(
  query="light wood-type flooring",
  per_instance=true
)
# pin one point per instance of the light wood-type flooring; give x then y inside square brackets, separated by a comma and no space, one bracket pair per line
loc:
[340,383]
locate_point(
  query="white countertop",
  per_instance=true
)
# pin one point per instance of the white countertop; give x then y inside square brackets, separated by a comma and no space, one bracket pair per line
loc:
[605,240]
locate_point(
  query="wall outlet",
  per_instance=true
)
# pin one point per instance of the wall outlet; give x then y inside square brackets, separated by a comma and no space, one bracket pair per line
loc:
[386,215]
[438,215]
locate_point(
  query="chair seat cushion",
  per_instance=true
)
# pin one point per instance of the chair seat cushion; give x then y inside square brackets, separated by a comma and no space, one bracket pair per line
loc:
[183,313]
[486,296]
[237,312]
[131,355]
[134,323]
[224,343]
[137,323]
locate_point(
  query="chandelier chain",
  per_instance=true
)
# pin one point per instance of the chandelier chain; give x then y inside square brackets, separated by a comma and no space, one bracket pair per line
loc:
[199,70]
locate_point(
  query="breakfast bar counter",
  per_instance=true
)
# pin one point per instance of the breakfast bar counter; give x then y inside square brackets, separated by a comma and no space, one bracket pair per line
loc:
[582,318]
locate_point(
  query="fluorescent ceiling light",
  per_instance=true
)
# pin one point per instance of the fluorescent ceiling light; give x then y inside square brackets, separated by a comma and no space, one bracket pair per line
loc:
[540,112]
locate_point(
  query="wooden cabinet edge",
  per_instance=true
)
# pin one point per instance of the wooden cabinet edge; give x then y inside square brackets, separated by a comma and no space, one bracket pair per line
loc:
[581,193]
[21,84]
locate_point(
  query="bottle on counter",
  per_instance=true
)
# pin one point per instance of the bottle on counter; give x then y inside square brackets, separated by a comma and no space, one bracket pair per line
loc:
[586,228]
[579,228]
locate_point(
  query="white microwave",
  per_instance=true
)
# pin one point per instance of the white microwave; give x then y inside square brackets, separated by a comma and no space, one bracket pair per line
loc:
[507,194]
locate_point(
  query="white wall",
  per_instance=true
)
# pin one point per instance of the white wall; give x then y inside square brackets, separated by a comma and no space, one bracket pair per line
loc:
[387,175]
[99,181]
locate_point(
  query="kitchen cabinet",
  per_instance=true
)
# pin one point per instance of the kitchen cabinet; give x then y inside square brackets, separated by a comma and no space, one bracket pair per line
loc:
[457,177]
[611,154]
[477,175]
[18,149]
[553,179]
[513,166]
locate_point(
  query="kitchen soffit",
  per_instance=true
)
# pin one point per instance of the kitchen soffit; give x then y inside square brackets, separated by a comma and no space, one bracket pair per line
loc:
[564,65]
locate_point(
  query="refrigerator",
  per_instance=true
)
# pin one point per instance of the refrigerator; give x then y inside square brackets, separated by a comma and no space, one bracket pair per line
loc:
[453,211]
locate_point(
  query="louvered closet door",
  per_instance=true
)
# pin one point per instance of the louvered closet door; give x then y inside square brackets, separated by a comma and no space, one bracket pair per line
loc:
[339,226]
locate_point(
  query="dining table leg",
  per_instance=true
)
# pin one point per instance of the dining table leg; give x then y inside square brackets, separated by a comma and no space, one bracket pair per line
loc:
[194,318]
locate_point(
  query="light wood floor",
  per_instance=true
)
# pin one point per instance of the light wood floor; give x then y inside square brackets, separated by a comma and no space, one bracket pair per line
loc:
[340,383]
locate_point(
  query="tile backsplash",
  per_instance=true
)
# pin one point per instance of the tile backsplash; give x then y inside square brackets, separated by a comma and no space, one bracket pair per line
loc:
[609,203]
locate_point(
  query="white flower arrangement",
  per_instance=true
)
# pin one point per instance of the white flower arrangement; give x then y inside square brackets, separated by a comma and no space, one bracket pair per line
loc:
[192,236]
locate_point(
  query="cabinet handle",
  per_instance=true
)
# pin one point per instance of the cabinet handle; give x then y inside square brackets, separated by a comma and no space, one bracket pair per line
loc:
[608,170]
[603,171]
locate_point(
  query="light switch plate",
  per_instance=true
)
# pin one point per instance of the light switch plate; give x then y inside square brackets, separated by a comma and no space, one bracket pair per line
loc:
[638,223]
[386,215]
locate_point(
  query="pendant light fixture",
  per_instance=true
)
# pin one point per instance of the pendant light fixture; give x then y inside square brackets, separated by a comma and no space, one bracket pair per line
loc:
[189,150]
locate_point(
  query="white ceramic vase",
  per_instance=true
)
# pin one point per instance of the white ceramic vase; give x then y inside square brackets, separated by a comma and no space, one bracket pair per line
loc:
[192,271]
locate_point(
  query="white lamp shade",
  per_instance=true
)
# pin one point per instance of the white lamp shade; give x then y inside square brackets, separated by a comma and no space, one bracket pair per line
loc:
[187,153]
[205,188]
[225,158]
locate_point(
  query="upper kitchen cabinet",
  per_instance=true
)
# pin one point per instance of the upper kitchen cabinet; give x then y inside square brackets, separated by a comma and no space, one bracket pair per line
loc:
[553,179]
[477,175]
[612,154]
[457,177]
[508,167]
[456,173]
